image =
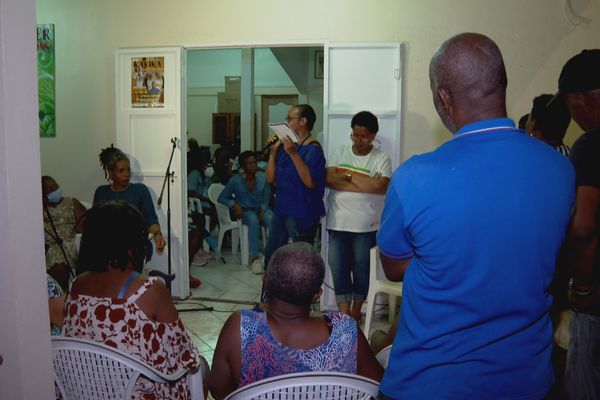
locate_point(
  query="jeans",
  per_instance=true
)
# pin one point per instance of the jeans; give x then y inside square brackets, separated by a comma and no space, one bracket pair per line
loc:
[583,360]
[284,229]
[250,218]
[349,262]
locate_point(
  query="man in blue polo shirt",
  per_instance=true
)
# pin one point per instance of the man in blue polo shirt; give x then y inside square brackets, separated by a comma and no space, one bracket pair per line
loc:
[474,228]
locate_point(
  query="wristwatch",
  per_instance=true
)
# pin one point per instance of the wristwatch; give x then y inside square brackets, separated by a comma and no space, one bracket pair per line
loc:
[348,176]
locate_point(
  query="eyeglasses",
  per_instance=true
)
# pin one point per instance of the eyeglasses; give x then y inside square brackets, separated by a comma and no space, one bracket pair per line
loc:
[288,118]
[361,138]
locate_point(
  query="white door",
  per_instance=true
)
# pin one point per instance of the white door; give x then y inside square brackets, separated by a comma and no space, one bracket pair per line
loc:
[149,115]
[360,76]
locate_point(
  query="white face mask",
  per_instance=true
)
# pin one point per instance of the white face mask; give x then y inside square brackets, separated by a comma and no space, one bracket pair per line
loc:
[209,171]
[55,196]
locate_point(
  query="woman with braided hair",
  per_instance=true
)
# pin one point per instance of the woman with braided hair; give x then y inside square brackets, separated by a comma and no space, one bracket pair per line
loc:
[118,172]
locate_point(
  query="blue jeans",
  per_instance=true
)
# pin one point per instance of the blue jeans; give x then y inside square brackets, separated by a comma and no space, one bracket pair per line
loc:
[583,360]
[349,262]
[250,218]
[282,229]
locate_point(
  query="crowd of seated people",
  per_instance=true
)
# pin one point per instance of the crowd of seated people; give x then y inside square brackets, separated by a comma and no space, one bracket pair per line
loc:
[474,230]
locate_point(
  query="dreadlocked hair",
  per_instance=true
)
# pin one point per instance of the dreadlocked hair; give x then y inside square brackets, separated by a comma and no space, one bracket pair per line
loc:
[109,157]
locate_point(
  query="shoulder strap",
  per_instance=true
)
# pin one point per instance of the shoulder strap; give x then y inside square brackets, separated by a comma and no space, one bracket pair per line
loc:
[127,283]
[143,289]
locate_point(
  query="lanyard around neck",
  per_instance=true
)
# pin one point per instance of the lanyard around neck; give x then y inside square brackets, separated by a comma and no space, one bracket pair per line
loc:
[305,139]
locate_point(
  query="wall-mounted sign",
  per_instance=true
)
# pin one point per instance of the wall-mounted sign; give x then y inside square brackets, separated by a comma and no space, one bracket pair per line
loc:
[46,74]
[148,82]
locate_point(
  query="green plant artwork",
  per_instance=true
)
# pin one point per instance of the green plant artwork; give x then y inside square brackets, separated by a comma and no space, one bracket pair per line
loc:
[46,73]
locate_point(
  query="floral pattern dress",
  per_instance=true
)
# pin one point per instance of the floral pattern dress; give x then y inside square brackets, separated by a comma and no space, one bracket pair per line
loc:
[121,324]
[63,216]
[263,356]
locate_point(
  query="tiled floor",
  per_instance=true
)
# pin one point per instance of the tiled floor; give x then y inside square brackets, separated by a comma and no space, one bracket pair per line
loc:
[227,288]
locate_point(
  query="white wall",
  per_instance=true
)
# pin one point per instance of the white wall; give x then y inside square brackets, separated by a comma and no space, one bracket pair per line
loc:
[533,35]
[206,69]
[25,362]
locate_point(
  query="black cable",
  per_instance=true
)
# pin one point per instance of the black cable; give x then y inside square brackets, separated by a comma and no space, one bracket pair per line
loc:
[58,240]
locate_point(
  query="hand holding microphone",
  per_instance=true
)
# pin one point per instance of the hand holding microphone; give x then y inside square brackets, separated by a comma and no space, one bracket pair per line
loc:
[271,141]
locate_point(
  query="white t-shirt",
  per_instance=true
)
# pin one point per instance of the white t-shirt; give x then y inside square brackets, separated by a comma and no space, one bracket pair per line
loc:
[352,211]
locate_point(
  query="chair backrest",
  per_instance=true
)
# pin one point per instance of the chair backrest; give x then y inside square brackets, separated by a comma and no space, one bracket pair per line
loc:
[376,273]
[195,205]
[222,211]
[309,385]
[89,370]
[383,356]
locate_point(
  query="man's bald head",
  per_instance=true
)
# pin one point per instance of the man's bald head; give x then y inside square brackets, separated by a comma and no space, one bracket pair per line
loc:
[469,69]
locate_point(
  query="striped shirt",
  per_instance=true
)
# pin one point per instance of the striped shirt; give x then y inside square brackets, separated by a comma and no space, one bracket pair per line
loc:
[136,194]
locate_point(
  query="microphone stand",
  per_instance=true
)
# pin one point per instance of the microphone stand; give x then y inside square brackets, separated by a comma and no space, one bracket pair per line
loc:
[169,176]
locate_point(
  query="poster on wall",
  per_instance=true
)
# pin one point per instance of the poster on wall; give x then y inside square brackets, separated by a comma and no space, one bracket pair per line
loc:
[46,74]
[148,82]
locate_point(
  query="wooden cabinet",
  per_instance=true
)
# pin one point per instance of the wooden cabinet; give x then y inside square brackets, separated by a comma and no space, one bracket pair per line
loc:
[226,130]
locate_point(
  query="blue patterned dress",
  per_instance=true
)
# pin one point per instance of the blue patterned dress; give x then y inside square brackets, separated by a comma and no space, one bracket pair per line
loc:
[54,290]
[263,356]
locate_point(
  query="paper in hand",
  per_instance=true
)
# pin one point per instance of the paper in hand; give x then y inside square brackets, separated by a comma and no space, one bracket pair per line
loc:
[282,130]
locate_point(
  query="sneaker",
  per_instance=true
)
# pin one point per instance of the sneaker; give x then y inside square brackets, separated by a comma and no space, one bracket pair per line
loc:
[194,282]
[257,266]
[207,255]
[199,260]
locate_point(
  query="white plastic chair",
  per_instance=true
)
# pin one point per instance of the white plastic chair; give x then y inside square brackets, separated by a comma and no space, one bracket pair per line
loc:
[308,386]
[196,206]
[225,222]
[89,370]
[235,226]
[383,356]
[378,283]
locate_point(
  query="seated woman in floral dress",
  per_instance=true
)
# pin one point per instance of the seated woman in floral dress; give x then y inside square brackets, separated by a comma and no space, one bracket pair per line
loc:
[113,304]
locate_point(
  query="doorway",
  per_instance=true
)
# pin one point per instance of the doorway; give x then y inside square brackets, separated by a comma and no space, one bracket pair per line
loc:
[216,110]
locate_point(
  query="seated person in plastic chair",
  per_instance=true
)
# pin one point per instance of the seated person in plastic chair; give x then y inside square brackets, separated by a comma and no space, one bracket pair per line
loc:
[61,218]
[247,195]
[113,304]
[197,161]
[281,337]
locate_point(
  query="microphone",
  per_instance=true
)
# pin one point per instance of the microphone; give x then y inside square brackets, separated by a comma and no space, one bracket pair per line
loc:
[270,143]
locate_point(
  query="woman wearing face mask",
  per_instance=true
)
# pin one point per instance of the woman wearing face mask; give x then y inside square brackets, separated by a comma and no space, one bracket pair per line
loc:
[64,213]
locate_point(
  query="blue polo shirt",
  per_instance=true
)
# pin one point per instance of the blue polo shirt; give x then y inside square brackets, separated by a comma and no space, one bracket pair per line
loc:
[483,218]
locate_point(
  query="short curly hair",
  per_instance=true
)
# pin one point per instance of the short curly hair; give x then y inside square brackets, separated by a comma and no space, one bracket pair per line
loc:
[295,274]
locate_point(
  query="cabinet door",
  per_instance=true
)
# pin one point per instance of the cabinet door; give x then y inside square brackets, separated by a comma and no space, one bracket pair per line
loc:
[221,129]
